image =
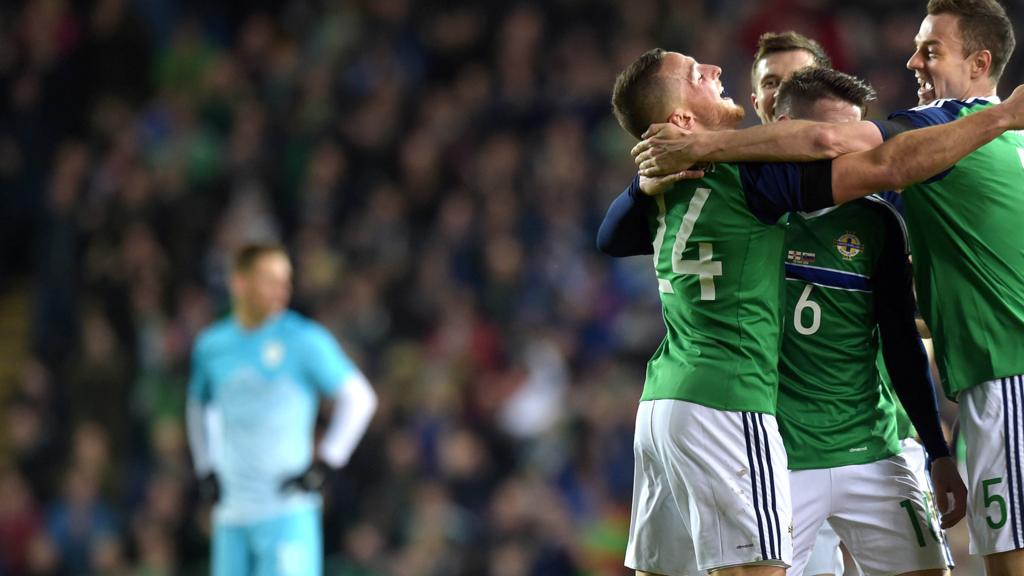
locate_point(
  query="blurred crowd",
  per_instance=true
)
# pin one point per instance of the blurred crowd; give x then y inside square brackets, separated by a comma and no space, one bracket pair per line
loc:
[437,170]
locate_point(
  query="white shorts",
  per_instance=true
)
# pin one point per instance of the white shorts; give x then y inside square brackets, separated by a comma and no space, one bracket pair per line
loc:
[877,509]
[710,490]
[913,452]
[992,422]
[826,558]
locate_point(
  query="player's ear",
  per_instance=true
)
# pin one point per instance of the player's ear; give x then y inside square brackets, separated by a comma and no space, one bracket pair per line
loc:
[753,100]
[236,282]
[981,63]
[683,119]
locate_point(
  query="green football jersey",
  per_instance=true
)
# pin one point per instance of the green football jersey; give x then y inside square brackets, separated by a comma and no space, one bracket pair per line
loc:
[719,271]
[833,410]
[967,238]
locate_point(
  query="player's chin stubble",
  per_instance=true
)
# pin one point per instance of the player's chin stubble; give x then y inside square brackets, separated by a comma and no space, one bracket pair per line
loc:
[730,114]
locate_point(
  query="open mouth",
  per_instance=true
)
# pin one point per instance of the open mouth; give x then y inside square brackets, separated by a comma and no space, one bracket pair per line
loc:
[723,94]
[925,90]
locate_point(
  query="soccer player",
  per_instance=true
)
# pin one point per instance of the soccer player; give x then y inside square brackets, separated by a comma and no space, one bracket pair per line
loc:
[968,259]
[848,283]
[257,378]
[711,488]
[778,56]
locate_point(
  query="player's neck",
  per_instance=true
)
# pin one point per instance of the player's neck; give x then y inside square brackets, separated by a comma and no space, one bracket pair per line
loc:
[980,90]
[251,320]
[718,126]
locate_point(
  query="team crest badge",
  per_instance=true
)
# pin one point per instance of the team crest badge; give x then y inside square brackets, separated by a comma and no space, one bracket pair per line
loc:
[273,354]
[849,245]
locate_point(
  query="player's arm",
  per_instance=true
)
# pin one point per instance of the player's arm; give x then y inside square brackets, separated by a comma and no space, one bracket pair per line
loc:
[196,410]
[772,190]
[907,363]
[667,149]
[904,354]
[355,402]
[917,155]
[624,230]
[198,439]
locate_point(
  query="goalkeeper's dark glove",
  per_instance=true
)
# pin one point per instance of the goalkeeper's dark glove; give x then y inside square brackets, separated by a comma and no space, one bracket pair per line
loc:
[311,480]
[209,488]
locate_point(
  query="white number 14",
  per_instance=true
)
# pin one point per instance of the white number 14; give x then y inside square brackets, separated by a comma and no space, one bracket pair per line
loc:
[704,267]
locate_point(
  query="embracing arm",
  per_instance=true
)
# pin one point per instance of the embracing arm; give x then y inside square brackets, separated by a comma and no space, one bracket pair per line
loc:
[624,229]
[788,141]
[668,149]
[917,155]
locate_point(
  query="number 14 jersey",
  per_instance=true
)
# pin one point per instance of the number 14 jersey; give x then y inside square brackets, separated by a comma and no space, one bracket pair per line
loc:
[718,256]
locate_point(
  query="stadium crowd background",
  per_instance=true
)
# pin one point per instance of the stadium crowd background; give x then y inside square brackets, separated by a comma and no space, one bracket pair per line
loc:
[438,171]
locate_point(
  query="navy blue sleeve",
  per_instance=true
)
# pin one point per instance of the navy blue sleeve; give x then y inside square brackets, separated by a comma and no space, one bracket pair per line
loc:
[939,112]
[902,350]
[894,127]
[772,190]
[624,231]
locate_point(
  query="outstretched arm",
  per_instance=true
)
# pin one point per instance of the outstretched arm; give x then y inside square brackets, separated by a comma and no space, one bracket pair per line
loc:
[668,149]
[917,155]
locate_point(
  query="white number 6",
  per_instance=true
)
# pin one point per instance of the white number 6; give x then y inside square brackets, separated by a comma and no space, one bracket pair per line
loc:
[803,304]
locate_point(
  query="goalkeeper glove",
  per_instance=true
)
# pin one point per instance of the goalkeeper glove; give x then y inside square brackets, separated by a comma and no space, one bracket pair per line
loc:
[209,488]
[311,480]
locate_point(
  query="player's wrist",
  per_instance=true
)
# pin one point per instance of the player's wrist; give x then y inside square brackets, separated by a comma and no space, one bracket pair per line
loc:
[696,147]
[1000,117]
[934,442]
[321,466]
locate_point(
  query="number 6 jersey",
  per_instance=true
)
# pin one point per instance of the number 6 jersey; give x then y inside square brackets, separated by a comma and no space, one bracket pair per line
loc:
[845,266]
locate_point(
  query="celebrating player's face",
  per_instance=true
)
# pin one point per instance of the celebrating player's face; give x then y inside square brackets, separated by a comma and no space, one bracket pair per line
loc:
[771,71]
[939,63]
[701,92]
[266,288]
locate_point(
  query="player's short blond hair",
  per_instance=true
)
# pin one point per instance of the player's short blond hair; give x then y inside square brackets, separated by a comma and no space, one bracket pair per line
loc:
[247,256]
